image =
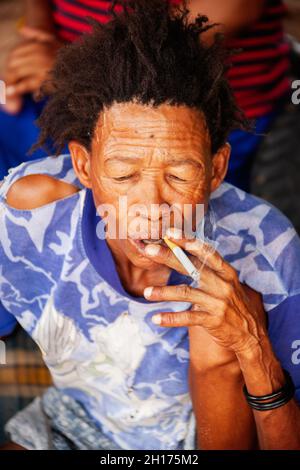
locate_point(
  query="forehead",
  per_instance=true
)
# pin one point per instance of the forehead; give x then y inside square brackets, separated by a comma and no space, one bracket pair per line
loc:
[137,121]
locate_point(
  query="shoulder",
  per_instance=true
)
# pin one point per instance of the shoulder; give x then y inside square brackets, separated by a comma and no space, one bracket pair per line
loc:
[32,191]
[38,182]
[250,217]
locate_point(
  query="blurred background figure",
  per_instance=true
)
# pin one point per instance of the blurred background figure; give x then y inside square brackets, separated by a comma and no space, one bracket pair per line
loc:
[261,72]
[260,76]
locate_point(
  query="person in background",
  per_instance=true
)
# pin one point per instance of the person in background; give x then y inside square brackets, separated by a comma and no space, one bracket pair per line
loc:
[259,76]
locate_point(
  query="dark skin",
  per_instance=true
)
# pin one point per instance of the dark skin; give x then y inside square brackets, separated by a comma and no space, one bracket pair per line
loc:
[130,154]
[117,174]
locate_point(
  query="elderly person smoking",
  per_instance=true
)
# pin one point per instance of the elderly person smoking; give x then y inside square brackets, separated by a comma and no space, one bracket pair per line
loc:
[142,356]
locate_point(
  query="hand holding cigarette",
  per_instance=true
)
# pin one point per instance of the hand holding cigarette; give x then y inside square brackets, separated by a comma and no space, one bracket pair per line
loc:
[221,306]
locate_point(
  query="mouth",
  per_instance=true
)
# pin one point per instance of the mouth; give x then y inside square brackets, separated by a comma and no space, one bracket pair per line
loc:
[140,244]
[150,241]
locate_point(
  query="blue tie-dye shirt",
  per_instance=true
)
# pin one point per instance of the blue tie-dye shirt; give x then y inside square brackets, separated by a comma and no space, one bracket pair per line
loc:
[60,283]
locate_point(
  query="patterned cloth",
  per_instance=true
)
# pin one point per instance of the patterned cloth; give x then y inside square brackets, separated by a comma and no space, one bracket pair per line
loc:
[58,422]
[23,376]
[100,344]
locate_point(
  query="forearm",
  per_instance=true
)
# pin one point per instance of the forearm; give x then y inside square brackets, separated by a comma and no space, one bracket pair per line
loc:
[38,14]
[280,428]
[223,418]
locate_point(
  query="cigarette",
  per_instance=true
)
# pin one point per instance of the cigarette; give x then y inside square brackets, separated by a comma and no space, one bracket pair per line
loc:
[183,259]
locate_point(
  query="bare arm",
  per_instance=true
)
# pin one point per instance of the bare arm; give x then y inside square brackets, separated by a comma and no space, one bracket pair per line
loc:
[223,418]
[227,312]
[216,383]
[277,429]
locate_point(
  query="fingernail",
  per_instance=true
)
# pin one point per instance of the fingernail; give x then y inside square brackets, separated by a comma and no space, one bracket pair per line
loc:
[148,291]
[152,250]
[10,90]
[175,233]
[156,319]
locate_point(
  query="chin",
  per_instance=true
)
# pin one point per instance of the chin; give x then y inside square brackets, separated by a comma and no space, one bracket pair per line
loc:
[136,254]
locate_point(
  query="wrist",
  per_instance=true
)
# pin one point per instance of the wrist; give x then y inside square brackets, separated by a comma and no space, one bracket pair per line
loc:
[261,369]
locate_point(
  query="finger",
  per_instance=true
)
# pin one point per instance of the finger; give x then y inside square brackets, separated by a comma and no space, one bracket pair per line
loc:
[185,293]
[13,105]
[37,34]
[163,255]
[27,85]
[177,319]
[35,58]
[15,64]
[25,60]
[24,49]
[14,75]
[26,69]
[210,282]
[204,252]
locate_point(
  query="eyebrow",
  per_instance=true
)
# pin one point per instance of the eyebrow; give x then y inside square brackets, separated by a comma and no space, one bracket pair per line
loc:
[172,161]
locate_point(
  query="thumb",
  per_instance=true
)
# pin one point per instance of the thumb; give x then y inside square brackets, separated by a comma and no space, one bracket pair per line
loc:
[37,34]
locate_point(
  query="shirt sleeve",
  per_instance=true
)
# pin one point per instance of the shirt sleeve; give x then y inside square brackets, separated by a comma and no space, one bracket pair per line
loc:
[7,322]
[284,333]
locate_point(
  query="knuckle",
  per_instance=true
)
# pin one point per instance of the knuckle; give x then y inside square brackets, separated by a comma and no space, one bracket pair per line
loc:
[168,255]
[218,321]
[228,289]
[183,291]
[159,292]
[190,319]
[169,319]
[222,308]
[231,273]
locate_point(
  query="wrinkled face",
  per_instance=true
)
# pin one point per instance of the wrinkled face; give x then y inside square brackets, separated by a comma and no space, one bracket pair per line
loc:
[152,159]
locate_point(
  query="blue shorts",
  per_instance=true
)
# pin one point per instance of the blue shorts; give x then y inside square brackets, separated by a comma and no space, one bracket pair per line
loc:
[56,421]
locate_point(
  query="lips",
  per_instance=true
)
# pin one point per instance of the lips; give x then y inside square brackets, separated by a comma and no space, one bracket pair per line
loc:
[140,244]
[149,241]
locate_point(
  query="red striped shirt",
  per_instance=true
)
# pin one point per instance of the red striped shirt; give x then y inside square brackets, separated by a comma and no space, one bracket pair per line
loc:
[260,72]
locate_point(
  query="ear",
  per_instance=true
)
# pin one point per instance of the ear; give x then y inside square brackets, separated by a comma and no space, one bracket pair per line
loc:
[81,162]
[220,162]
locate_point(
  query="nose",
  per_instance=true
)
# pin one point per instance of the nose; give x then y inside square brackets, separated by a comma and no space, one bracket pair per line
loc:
[153,191]
[153,210]
[153,198]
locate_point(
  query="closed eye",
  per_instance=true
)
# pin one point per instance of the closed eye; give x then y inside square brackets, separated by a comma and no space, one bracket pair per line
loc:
[176,178]
[124,178]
